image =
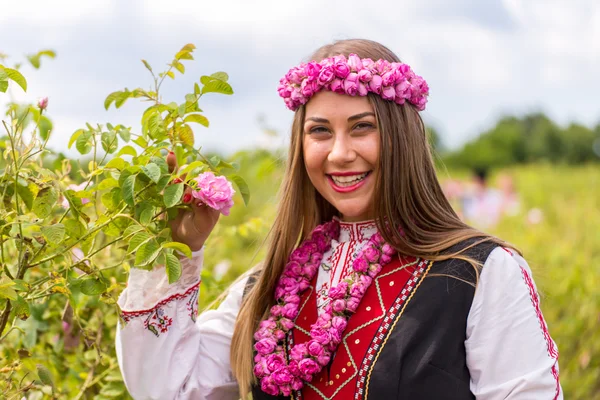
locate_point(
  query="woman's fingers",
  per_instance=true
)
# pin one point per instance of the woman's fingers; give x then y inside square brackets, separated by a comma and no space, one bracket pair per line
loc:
[187,195]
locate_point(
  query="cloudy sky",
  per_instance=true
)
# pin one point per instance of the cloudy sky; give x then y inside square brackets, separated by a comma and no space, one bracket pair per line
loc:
[482,58]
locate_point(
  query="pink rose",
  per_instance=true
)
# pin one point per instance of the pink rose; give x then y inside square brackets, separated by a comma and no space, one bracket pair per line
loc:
[315,349]
[388,93]
[282,377]
[385,259]
[279,292]
[321,241]
[309,88]
[364,75]
[291,298]
[362,89]
[312,70]
[351,84]
[355,63]
[304,284]
[358,290]
[387,249]
[368,64]
[294,267]
[339,291]
[279,334]
[290,285]
[375,84]
[265,346]
[324,359]
[214,191]
[261,369]
[320,335]
[297,95]
[337,86]
[301,254]
[326,75]
[366,279]
[309,270]
[341,69]
[286,324]
[276,310]
[298,352]
[268,386]
[339,305]
[382,66]
[297,384]
[336,338]
[43,103]
[352,304]
[371,254]
[275,362]
[402,89]
[290,310]
[360,264]
[309,367]
[339,323]
[263,334]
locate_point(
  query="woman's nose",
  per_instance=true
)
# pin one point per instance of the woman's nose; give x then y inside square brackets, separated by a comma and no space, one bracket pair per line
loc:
[342,150]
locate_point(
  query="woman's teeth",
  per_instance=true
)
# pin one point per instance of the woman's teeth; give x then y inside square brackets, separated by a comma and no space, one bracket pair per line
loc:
[345,181]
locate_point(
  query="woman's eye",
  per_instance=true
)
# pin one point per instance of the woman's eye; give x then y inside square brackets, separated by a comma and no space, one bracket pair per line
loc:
[318,129]
[363,126]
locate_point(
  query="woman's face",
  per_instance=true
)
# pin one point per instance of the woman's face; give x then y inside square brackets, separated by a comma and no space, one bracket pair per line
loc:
[341,152]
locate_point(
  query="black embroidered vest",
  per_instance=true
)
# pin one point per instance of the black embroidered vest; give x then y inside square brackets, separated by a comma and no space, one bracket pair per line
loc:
[405,341]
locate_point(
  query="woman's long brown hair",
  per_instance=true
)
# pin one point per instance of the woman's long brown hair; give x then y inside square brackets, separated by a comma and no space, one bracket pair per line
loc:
[407,191]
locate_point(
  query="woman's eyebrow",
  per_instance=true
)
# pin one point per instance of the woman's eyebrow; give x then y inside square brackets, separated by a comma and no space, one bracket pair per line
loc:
[317,119]
[361,115]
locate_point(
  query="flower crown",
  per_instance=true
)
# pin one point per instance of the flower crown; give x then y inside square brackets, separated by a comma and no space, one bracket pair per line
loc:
[353,76]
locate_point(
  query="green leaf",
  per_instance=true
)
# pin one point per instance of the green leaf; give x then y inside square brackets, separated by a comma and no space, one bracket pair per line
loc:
[184,248]
[14,76]
[132,229]
[111,98]
[197,90]
[45,200]
[109,141]
[186,134]
[108,183]
[74,137]
[74,228]
[45,375]
[197,118]
[222,76]
[3,86]
[214,85]
[152,171]
[172,195]
[45,127]
[171,75]
[137,240]
[117,163]
[6,290]
[162,164]
[147,65]
[146,253]
[112,390]
[129,150]
[122,98]
[21,308]
[242,186]
[26,194]
[84,142]
[125,134]
[54,233]
[191,166]
[140,141]
[34,59]
[179,66]
[127,190]
[92,286]
[173,267]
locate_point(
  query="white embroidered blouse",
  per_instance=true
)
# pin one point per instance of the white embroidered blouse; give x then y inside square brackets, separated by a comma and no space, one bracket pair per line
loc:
[166,352]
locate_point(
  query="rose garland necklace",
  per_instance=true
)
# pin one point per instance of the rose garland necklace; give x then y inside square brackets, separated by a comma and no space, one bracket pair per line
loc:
[308,359]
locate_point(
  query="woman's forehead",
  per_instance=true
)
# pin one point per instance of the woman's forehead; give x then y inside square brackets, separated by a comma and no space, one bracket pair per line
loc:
[329,104]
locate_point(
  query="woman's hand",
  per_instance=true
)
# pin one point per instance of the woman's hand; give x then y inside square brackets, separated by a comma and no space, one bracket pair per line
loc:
[193,225]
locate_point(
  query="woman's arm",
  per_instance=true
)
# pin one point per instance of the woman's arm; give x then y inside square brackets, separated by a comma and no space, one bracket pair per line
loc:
[510,354]
[164,351]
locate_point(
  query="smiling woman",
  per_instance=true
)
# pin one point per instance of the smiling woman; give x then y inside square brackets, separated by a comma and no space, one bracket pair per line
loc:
[371,287]
[341,152]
